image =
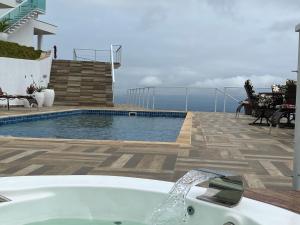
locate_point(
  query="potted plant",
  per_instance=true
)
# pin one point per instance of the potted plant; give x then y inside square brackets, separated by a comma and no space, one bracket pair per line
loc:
[4,25]
[31,89]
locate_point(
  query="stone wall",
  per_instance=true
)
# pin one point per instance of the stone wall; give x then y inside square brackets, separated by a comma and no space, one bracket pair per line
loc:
[80,83]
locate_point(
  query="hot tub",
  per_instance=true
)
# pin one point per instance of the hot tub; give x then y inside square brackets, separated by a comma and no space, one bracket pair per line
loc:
[104,200]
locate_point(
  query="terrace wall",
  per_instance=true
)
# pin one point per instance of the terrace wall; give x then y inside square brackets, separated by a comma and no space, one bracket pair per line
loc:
[81,83]
[17,74]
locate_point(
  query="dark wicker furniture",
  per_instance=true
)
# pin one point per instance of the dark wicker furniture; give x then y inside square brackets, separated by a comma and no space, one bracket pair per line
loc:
[261,105]
[5,97]
[287,109]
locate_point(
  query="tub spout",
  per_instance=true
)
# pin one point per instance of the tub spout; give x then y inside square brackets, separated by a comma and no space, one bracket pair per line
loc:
[224,189]
[4,199]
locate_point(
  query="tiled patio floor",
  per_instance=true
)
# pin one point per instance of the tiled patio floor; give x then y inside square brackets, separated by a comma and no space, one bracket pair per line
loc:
[218,141]
[221,141]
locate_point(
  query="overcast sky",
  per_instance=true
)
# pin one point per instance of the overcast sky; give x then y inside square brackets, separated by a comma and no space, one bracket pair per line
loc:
[211,43]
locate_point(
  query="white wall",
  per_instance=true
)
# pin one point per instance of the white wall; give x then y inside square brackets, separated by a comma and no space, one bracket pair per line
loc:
[23,35]
[15,75]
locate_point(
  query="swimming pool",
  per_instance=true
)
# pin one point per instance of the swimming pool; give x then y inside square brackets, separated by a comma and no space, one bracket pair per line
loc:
[96,125]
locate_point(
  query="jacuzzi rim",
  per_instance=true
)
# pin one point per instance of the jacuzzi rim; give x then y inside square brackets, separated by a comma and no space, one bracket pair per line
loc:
[18,184]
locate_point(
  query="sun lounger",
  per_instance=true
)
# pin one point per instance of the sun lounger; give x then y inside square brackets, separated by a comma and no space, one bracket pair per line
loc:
[4,96]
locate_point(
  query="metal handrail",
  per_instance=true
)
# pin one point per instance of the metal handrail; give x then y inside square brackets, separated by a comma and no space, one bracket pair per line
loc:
[144,96]
[112,56]
[99,55]
[226,94]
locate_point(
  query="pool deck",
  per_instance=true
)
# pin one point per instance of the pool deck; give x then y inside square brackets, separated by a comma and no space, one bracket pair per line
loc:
[207,140]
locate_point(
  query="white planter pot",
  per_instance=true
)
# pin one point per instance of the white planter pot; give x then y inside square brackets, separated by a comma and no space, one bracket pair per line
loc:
[3,36]
[49,97]
[39,97]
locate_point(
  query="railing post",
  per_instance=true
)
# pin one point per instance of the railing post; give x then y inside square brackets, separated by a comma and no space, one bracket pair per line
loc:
[153,98]
[144,90]
[133,97]
[216,99]
[225,99]
[95,55]
[296,164]
[128,96]
[74,55]
[136,97]
[148,100]
[139,97]
[186,99]
[112,63]
[120,55]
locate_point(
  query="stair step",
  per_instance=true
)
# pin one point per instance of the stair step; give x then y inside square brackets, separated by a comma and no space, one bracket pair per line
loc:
[74,86]
[23,17]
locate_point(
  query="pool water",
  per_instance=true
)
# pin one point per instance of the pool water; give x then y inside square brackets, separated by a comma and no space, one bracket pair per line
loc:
[98,127]
[82,222]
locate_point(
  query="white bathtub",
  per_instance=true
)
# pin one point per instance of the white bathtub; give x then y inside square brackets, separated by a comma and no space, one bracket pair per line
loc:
[116,199]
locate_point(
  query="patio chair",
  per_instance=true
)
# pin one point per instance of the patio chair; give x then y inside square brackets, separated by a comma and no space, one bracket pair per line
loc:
[247,103]
[262,105]
[287,109]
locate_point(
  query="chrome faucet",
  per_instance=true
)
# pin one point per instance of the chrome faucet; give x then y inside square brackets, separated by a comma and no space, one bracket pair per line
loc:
[4,199]
[224,189]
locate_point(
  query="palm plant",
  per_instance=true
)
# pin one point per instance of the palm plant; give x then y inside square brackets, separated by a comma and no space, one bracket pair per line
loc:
[4,24]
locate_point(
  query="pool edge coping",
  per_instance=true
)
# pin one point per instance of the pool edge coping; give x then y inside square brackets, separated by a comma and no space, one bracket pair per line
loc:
[185,134]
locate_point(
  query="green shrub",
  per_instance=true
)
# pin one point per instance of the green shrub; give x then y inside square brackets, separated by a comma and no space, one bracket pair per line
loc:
[4,24]
[13,50]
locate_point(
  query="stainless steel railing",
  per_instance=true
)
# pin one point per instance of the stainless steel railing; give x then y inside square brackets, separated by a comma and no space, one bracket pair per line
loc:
[99,55]
[147,97]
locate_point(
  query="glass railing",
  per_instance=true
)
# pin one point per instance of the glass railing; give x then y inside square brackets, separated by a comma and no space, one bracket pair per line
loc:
[23,9]
[40,4]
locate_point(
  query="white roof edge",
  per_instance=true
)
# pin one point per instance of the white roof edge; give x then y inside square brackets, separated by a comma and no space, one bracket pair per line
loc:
[44,27]
[45,23]
[8,4]
[298,28]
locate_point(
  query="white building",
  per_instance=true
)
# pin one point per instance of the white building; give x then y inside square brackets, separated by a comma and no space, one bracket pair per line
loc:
[25,28]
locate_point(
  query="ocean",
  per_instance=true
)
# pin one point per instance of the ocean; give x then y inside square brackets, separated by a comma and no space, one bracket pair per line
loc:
[202,101]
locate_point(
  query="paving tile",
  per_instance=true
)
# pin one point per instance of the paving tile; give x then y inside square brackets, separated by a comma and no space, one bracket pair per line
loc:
[218,141]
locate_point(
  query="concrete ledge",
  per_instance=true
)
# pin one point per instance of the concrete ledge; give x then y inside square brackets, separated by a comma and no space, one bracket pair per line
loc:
[43,28]
[185,134]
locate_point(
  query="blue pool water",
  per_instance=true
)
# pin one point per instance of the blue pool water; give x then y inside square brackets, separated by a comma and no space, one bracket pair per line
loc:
[98,127]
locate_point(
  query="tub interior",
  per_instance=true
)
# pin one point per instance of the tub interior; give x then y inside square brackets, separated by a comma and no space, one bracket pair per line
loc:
[102,206]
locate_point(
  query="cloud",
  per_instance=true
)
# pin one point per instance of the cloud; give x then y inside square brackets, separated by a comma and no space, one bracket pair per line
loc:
[207,43]
[153,17]
[285,25]
[263,81]
[225,7]
[150,81]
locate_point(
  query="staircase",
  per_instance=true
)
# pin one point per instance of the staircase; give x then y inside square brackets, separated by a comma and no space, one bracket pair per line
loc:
[24,12]
[81,83]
